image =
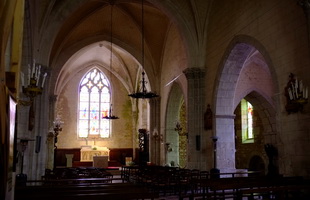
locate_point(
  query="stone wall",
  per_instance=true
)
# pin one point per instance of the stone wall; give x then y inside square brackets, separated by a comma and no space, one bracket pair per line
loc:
[67,110]
[278,30]
[246,153]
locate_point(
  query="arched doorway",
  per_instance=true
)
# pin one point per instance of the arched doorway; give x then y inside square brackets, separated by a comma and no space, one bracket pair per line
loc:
[176,138]
[251,131]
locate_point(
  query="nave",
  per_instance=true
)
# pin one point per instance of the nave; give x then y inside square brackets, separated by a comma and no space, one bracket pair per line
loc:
[230,88]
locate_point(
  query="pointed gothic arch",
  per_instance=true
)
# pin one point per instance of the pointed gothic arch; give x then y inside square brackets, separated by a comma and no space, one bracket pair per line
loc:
[229,93]
[175,149]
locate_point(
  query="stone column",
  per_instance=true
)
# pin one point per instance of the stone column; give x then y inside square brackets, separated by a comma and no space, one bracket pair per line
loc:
[154,134]
[195,113]
[225,152]
[50,150]
[50,137]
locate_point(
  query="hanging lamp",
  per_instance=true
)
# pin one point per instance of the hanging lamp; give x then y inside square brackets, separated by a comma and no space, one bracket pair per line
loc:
[143,93]
[110,115]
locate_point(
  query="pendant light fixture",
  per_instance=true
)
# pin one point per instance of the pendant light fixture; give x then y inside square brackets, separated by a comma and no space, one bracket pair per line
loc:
[110,115]
[143,93]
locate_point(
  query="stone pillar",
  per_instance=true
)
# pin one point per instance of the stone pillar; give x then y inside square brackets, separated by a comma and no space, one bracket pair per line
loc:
[50,150]
[225,152]
[51,136]
[69,158]
[195,112]
[154,137]
[134,133]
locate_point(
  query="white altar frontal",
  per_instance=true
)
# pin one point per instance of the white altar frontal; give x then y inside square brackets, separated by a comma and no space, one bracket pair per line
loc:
[88,154]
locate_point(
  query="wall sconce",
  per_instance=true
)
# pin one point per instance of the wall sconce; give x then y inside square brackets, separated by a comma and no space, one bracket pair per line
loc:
[296,94]
[178,128]
[214,171]
[34,86]
[157,136]
[168,147]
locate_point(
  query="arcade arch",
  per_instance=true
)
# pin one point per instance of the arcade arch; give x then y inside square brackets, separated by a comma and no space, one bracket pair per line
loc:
[246,73]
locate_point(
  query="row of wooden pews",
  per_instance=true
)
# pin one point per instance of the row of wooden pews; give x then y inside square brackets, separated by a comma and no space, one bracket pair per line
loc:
[76,172]
[280,188]
[81,188]
[112,191]
[196,184]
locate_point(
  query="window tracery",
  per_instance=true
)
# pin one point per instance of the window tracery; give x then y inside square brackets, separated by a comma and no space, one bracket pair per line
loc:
[94,104]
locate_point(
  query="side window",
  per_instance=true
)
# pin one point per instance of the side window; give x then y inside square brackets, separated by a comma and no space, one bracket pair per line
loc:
[247,122]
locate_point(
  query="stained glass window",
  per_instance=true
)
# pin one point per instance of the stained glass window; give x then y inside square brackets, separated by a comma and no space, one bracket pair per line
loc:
[247,121]
[250,120]
[94,104]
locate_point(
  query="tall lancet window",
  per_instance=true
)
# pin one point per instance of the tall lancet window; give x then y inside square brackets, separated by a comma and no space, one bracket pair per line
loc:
[94,104]
[247,121]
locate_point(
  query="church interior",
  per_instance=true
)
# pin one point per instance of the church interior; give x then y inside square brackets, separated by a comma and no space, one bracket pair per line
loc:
[156,86]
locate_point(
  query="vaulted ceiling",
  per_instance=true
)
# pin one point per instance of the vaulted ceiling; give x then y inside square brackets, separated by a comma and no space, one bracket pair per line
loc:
[74,34]
[84,36]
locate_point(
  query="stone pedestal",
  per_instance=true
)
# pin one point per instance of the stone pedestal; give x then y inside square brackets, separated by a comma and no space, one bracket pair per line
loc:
[69,160]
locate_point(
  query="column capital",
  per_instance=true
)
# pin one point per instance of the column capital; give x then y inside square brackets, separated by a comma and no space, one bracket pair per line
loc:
[194,73]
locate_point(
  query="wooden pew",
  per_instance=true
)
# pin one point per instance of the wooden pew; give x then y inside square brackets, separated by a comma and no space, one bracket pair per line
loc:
[291,192]
[227,186]
[73,181]
[223,188]
[77,191]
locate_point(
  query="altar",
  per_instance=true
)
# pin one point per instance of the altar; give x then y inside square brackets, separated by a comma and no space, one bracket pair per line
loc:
[88,154]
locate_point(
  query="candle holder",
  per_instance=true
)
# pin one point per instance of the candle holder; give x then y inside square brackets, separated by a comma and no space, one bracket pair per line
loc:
[178,128]
[215,172]
[34,86]
[32,90]
[296,95]
[168,147]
